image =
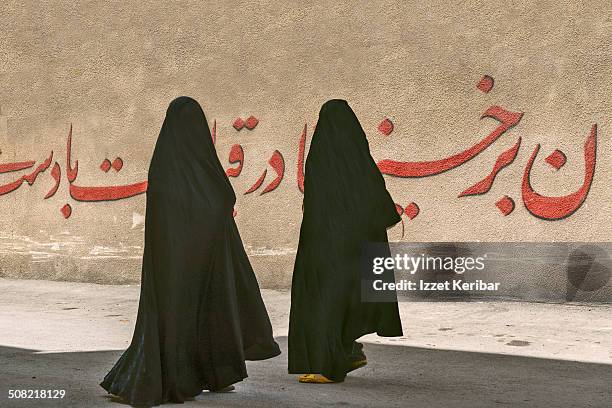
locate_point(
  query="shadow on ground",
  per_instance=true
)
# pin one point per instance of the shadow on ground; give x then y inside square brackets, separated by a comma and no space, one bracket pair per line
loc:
[397,376]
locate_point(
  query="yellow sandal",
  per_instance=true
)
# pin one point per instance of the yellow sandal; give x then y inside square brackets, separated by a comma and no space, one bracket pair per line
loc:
[314,379]
[358,364]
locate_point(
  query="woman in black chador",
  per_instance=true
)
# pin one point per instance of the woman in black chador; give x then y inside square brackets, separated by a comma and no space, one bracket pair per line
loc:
[200,314]
[346,205]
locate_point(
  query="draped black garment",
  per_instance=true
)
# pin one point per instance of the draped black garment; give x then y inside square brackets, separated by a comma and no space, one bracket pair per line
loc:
[200,314]
[346,205]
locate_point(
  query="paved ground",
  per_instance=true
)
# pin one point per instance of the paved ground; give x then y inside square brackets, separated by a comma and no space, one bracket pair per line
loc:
[56,335]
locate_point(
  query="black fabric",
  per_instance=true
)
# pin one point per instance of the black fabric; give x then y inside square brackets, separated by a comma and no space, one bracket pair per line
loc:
[346,205]
[200,314]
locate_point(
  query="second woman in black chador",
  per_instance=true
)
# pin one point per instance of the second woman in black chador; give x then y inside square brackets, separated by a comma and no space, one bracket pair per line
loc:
[200,314]
[346,205]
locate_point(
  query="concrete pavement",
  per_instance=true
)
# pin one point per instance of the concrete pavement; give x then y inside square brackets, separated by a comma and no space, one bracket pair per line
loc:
[59,335]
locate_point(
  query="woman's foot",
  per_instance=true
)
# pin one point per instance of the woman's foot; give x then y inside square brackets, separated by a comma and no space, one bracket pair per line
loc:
[357,357]
[357,364]
[229,388]
[315,379]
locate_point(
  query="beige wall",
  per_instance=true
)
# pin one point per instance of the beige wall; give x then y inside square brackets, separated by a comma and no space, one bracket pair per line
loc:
[111,68]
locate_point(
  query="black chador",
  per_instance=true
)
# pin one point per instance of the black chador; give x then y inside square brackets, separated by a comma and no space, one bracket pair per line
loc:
[200,314]
[346,205]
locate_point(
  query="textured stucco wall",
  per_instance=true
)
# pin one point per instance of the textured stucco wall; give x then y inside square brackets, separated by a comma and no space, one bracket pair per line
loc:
[111,68]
